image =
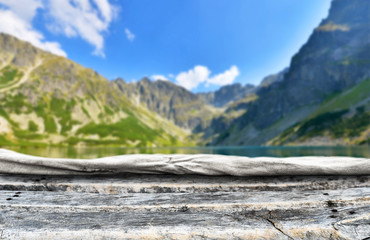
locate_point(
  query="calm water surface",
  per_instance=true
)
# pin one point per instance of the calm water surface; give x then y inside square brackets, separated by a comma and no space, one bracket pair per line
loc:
[249,151]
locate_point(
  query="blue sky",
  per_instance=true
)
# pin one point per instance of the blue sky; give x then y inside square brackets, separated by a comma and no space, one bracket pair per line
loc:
[199,44]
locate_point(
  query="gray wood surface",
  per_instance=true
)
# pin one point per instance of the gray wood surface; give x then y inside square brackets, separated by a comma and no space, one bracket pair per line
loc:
[203,164]
[140,206]
[184,197]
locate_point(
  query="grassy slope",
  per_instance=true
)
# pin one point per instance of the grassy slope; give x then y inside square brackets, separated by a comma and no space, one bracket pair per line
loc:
[64,103]
[347,99]
[342,116]
[9,75]
[57,119]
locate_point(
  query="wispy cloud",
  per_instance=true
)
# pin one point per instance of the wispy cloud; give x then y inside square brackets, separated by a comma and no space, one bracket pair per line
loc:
[16,18]
[81,18]
[24,9]
[87,19]
[130,36]
[201,74]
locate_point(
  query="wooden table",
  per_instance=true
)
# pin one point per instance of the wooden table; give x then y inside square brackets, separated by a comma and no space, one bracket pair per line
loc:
[137,206]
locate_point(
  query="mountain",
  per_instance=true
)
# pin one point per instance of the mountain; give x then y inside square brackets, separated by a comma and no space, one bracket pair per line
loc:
[335,59]
[47,99]
[172,102]
[343,119]
[322,98]
[278,77]
[227,94]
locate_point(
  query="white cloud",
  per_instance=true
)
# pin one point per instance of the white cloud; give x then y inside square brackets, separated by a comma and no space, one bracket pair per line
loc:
[107,11]
[226,77]
[130,36]
[80,18]
[87,19]
[171,75]
[12,24]
[159,77]
[200,74]
[24,9]
[192,78]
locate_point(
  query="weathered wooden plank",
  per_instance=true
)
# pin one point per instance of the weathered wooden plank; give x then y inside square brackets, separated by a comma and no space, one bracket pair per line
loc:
[196,202]
[122,205]
[15,163]
[303,223]
[130,183]
[294,222]
[184,207]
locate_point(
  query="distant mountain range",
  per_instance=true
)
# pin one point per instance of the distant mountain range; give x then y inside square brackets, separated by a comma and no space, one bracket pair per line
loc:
[323,98]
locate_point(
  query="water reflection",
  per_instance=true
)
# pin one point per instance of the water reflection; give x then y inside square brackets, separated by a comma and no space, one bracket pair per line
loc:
[250,151]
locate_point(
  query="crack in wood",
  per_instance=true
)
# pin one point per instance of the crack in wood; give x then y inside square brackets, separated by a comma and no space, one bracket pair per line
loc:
[275,225]
[170,205]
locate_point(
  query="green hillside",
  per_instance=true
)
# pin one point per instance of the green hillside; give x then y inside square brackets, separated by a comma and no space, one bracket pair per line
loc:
[344,117]
[50,100]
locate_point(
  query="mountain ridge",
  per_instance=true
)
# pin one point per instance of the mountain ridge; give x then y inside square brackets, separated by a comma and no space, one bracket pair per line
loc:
[332,60]
[170,101]
[61,102]
[48,99]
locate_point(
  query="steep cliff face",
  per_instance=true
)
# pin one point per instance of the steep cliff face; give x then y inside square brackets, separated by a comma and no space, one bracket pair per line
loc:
[170,101]
[227,94]
[47,99]
[335,58]
[273,78]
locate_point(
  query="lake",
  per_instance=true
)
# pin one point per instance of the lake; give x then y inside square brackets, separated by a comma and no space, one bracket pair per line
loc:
[249,151]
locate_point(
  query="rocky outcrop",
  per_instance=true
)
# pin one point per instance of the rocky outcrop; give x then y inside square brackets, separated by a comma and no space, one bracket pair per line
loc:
[227,94]
[170,101]
[273,78]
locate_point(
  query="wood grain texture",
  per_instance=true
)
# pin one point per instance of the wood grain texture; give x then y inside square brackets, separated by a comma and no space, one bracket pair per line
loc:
[184,197]
[201,164]
[139,206]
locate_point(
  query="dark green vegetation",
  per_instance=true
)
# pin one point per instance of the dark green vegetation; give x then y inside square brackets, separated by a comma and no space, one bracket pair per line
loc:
[56,112]
[32,127]
[136,132]
[27,135]
[318,125]
[344,115]
[9,74]
[332,124]
[352,126]
[63,111]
